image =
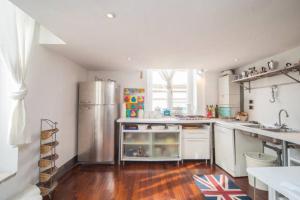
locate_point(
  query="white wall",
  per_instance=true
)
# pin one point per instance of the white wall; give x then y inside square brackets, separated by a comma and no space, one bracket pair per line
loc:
[52,85]
[126,79]
[207,91]
[289,95]
[207,86]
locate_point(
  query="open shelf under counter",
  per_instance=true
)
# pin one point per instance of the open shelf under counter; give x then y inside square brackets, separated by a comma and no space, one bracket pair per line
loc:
[137,143]
[152,131]
[150,144]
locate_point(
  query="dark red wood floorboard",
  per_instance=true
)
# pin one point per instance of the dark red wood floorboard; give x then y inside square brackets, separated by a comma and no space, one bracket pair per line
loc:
[139,181]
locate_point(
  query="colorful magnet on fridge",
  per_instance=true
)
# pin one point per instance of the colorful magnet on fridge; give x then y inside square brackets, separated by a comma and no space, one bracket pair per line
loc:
[128,112]
[127,98]
[133,113]
[126,91]
[133,99]
[140,99]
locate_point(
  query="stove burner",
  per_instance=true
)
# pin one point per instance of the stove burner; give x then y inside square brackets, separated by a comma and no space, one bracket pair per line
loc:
[190,117]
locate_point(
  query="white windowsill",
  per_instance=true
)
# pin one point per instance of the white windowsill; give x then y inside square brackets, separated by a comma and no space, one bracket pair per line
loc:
[4,176]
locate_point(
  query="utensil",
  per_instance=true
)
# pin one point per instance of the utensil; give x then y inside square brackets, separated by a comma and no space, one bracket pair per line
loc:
[263,69]
[288,64]
[274,93]
[271,65]
[244,74]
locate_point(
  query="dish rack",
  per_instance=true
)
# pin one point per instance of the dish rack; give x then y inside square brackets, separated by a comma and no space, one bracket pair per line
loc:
[48,156]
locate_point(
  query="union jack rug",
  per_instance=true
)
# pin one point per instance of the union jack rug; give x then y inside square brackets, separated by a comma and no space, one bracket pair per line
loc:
[219,187]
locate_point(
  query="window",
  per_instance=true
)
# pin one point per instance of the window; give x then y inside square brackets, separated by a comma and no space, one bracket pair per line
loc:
[171,89]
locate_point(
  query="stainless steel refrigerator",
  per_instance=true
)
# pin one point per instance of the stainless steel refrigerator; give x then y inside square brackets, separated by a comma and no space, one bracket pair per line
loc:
[98,111]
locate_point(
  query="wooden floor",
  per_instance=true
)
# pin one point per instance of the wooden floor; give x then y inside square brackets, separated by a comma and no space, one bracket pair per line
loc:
[139,181]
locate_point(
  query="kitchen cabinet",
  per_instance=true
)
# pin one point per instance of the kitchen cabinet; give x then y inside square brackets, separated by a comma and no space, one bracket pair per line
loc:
[229,96]
[196,143]
[227,87]
[230,146]
[150,144]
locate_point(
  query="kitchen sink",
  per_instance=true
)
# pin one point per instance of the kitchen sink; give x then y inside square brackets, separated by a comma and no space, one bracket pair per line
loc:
[252,125]
[272,129]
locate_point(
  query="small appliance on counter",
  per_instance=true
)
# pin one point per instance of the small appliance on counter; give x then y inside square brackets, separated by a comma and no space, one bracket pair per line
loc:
[228,112]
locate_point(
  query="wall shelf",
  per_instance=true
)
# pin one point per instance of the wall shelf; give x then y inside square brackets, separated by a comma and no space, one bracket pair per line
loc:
[276,72]
[282,71]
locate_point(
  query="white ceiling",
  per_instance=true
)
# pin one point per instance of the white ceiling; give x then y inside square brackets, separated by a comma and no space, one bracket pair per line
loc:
[206,34]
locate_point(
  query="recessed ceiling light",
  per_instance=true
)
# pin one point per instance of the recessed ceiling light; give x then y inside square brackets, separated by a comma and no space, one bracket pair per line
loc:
[111,15]
[235,60]
[129,58]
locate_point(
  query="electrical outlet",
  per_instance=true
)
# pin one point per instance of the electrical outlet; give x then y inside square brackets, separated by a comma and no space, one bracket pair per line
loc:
[251,107]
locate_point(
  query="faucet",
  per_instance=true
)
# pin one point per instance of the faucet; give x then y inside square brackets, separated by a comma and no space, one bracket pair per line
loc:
[279,118]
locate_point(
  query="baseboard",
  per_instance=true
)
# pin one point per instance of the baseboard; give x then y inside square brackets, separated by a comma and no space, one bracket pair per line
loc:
[62,170]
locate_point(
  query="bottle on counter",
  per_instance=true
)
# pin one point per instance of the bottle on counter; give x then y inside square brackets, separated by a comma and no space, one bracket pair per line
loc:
[213,111]
[217,111]
[208,111]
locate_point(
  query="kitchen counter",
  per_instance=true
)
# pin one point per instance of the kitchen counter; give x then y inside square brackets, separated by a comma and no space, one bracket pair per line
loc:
[165,120]
[293,137]
[284,180]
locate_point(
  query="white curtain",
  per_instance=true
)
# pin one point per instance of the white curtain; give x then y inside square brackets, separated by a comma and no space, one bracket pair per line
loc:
[167,75]
[16,35]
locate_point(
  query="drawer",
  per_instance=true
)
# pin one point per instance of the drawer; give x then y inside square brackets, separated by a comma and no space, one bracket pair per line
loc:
[196,133]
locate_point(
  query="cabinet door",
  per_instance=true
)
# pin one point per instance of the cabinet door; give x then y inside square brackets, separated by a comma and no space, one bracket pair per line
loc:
[224,85]
[224,100]
[224,148]
[196,149]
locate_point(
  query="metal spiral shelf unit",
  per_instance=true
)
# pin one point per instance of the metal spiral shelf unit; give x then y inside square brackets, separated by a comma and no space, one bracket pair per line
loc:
[48,156]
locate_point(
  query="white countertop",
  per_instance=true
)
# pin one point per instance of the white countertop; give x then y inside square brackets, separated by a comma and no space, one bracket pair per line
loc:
[165,120]
[293,137]
[285,180]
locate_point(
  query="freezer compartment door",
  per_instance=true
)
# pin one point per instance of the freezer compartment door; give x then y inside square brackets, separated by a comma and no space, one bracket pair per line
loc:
[91,92]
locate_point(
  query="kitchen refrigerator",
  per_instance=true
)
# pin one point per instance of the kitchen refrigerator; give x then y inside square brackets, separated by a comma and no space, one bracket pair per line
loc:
[97,113]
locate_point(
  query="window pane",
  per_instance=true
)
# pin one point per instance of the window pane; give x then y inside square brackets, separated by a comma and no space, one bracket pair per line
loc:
[180,95]
[159,95]
[159,103]
[179,91]
[156,79]
[180,77]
